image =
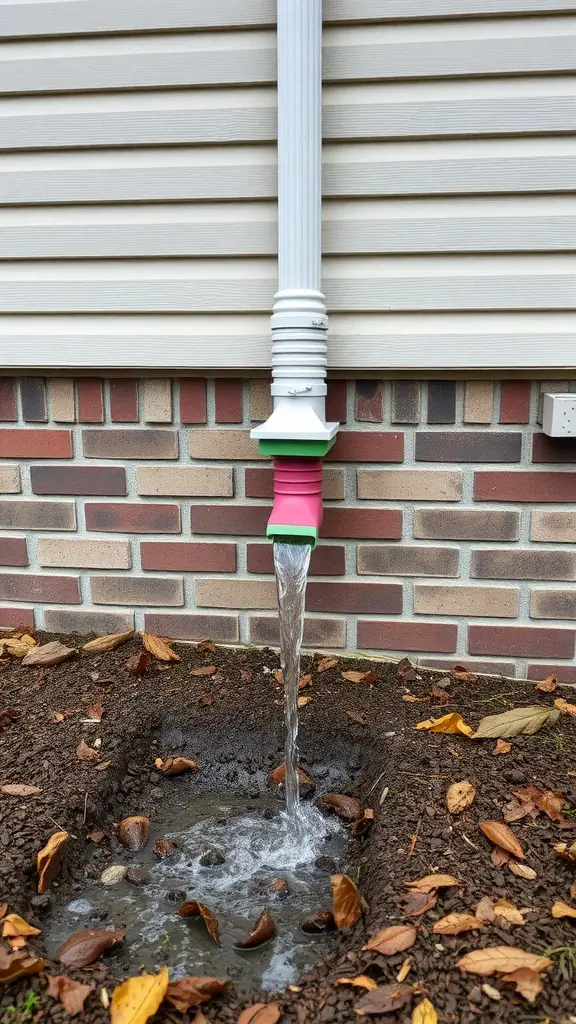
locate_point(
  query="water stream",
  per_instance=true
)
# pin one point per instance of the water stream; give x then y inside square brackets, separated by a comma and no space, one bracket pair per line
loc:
[291,562]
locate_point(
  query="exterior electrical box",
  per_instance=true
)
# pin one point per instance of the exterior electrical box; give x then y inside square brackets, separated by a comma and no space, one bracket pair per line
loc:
[559,415]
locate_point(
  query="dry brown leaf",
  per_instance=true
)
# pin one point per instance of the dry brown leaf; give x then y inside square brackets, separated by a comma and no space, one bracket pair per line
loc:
[159,647]
[385,999]
[506,910]
[429,883]
[303,701]
[548,685]
[133,832]
[459,796]
[440,696]
[49,859]
[453,924]
[207,644]
[409,698]
[260,1013]
[107,643]
[462,675]
[86,946]
[502,960]
[355,717]
[565,707]
[176,765]
[522,870]
[164,848]
[405,671]
[20,789]
[103,766]
[18,965]
[572,893]
[71,994]
[499,834]
[517,722]
[528,983]
[138,998]
[360,677]
[193,908]
[533,800]
[502,747]
[86,753]
[14,926]
[419,903]
[204,670]
[424,1013]
[18,647]
[347,901]
[451,723]
[485,910]
[263,930]
[94,713]
[277,777]
[3,910]
[304,681]
[362,981]
[404,970]
[187,992]
[500,857]
[138,663]
[565,851]
[325,663]
[48,654]
[319,923]
[8,716]
[563,910]
[347,808]
[394,939]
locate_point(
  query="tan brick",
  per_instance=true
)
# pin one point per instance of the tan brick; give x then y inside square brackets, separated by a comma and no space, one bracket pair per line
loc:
[261,403]
[223,444]
[37,515]
[233,593]
[80,620]
[478,401]
[10,480]
[77,553]
[484,602]
[158,401]
[554,526]
[137,590]
[553,604]
[61,394]
[186,481]
[466,524]
[410,484]
[407,560]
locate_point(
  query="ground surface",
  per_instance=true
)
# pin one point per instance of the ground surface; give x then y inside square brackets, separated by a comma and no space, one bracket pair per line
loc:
[230,722]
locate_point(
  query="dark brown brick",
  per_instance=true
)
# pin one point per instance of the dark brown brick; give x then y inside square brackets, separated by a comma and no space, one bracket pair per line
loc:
[26,443]
[336,401]
[78,479]
[148,443]
[407,560]
[529,486]
[539,670]
[116,517]
[468,446]
[84,620]
[521,641]
[553,604]
[362,523]
[515,401]
[251,520]
[523,564]
[13,551]
[368,446]
[37,515]
[90,401]
[237,520]
[407,636]
[33,399]
[355,598]
[489,668]
[326,560]
[188,556]
[137,590]
[7,400]
[369,401]
[20,586]
[553,449]
[188,626]
[318,633]
[441,401]
[228,401]
[405,401]
[193,400]
[10,617]
[124,401]
[466,524]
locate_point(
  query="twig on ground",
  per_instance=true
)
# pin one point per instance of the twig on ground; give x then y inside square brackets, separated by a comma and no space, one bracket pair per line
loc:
[373,787]
[414,839]
[469,841]
[383,795]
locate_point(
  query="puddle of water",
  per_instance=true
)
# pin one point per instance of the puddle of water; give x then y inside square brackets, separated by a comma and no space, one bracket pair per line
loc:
[259,844]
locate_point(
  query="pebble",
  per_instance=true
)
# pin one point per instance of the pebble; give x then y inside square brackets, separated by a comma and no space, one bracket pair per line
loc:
[475,995]
[516,777]
[212,858]
[156,793]
[114,874]
[80,907]
[175,896]
[41,903]
[138,876]
[327,864]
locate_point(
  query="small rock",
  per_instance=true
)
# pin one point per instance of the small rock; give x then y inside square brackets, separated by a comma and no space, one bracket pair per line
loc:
[156,793]
[323,921]
[491,992]
[41,903]
[114,874]
[154,778]
[327,864]
[164,848]
[212,858]
[138,876]
[499,879]
[175,896]
[516,777]
[475,995]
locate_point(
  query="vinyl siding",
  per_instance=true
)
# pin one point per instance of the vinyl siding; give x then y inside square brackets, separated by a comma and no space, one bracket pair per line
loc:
[138,182]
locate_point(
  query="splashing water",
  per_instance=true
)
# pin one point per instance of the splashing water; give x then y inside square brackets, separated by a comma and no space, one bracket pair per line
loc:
[291,562]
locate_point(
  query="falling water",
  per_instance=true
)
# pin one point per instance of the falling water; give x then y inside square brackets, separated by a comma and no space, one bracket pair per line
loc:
[291,563]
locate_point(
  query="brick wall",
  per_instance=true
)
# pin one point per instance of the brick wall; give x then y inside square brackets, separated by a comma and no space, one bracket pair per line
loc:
[449,531]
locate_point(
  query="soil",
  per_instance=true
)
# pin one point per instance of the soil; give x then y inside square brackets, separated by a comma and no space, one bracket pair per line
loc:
[356,738]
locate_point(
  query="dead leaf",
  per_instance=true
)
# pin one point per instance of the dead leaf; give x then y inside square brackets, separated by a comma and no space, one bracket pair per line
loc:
[565,851]
[522,870]
[18,647]
[204,670]
[17,943]
[49,859]
[347,808]
[278,675]
[429,883]
[48,654]
[138,663]
[508,912]
[548,685]
[347,902]
[405,671]
[440,696]
[86,753]
[459,796]
[277,777]
[572,892]
[528,983]
[96,836]
[518,722]
[164,848]
[319,923]
[362,981]
[304,681]
[18,965]
[86,946]
[359,677]
[453,924]
[138,998]
[499,834]
[325,663]
[502,747]
[206,700]
[107,643]
[563,910]
[385,999]
[264,929]
[533,800]
[61,716]
[71,994]
[207,644]
[176,765]
[565,707]
[260,1013]
[193,908]
[303,701]
[133,832]
[187,992]
[502,960]
[13,925]
[451,723]
[94,713]
[102,767]
[462,675]
[20,789]
[485,910]
[3,909]
[424,1013]
[404,970]
[359,719]
[394,939]
[8,716]
[419,902]
[159,647]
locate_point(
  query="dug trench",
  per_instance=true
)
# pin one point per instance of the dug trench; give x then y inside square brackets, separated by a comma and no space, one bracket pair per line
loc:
[358,738]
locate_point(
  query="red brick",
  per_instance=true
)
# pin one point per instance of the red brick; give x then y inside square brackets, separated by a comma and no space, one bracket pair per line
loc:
[237,520]
[188,626]
[193,400]
[440,637]
[515,401]
[13,551]
[539,671]
[188,556]
[336,401]
[109,480]
[326,560]
[362,523]
[7,399]
[228,401]
[33,399]
[124,401]
[355,598]
[368,446]
[318,633]
[553,449]
[116,517]
[35,444]
[16,617]
[524,486]
[90,402]
[20,586]
[369,401]
[521,641]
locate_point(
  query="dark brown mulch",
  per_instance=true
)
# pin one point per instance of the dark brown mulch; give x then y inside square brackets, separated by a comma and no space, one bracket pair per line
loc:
[238,739]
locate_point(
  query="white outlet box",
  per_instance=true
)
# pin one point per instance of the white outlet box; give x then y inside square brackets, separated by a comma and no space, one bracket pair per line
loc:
[559,415]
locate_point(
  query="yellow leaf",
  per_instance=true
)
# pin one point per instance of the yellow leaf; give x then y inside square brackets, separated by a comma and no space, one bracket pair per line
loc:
[404,970]
[13,926]
[429,883]
[49,859]
[459,796]
[176,765]
[303,701]
[522,870]
[453,924]
[447,723]
[565,707]
[107,643]
[563,910]
[424,1013]
[362,981]
[502,960]
[138,998]
[503,908]
[347,901]
[160,648]
[548,685]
